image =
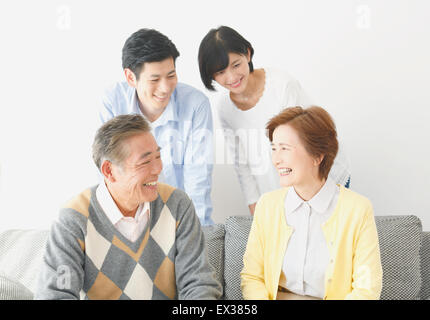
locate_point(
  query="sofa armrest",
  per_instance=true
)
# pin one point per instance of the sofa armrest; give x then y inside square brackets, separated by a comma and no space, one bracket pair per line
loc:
[425,266]
[13,290]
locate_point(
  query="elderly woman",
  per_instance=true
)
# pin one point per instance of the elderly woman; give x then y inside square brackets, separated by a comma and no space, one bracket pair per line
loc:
[313,238]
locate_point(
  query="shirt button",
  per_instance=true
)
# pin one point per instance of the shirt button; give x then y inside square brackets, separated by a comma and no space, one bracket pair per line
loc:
[331,260]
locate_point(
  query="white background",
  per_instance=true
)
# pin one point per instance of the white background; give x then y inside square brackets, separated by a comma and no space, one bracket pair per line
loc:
[366,62]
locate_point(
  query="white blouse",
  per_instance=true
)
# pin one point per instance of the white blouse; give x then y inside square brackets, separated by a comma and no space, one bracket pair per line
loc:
[245,135]
[307,255]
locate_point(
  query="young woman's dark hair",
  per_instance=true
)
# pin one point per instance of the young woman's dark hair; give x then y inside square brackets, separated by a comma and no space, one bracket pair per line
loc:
[146,45]
[214,50]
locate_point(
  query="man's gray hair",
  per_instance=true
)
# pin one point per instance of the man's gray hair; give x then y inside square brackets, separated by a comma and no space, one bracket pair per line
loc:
[108,142]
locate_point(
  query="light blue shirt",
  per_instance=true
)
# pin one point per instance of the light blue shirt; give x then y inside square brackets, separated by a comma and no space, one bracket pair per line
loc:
[184,131]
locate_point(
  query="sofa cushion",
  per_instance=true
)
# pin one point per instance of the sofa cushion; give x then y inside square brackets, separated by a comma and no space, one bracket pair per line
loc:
[399,240]
[400,243]
[21,253]
[425,266]
[11,289]
[236,237]
[214,239]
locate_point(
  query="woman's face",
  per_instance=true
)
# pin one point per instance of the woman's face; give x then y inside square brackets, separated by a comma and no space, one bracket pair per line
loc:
[235,77]
[295,166]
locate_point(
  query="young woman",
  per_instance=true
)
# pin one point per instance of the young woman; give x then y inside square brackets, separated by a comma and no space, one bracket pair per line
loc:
[253,97]
[313,238]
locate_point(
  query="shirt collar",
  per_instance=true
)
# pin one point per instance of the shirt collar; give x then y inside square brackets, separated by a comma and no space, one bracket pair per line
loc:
[319,202]
[292,201]
[109,206]
[169,114]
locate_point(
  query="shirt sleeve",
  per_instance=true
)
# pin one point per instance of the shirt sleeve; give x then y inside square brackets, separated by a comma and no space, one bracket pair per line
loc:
[106,108]
[198,162]
[61,274]
[237,156]
[294,95]
[195,277]
[340,171]
[367,268]
[252,275]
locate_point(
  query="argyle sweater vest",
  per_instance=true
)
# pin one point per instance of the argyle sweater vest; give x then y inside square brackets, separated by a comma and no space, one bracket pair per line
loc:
[87,257]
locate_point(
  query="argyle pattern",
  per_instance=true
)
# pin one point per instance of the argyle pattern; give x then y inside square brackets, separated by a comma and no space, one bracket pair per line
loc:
[116,268]
[101,263]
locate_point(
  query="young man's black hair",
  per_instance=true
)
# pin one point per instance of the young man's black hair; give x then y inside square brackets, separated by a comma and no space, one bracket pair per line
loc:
[146,45]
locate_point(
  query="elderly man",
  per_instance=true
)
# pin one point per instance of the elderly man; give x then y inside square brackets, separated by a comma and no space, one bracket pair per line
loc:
[130,237]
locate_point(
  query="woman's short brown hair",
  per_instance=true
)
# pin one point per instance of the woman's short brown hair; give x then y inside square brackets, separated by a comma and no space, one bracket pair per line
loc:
[316,130]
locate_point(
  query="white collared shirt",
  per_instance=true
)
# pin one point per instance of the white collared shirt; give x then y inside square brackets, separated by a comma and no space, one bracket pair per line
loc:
[307,255]
[130,227]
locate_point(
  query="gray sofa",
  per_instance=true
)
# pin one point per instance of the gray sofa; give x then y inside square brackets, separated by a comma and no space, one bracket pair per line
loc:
[405,254]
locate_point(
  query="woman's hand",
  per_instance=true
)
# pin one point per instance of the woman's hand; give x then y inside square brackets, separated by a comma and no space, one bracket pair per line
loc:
[252,208]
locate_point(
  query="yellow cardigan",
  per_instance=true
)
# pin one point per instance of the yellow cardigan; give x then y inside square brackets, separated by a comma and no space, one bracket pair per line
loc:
[354,270]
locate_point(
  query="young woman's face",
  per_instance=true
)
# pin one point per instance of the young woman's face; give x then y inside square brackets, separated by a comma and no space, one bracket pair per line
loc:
[296,167]
[235,77]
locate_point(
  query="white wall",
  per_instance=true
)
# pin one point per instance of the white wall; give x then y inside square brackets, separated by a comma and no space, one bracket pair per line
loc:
[366,62]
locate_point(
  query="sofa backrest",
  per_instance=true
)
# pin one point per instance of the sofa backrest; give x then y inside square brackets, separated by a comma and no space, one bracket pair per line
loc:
[21,253]
[405,256]
[425,266]
[400,244]
[214,239]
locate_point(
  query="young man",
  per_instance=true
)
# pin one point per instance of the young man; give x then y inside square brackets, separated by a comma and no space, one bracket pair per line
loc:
[130,237]
[180,115]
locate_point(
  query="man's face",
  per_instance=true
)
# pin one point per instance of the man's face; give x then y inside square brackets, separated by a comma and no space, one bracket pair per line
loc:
[156,83]
[135,180]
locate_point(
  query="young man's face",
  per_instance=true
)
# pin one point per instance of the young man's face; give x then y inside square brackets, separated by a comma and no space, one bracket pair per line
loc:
[156,83]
